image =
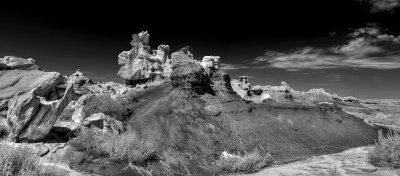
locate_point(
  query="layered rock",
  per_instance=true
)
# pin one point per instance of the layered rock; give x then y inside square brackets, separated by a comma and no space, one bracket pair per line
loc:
[139,65]
[33,99]
[191,76]
[31,117]
[14,62]
[182,57]
[21,81]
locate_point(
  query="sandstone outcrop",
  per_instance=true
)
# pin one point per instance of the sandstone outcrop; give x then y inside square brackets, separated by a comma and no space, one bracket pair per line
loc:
[191,76]
[140,65]
[31,117]
[285,94]
[32,99]
[21,81]
[13,62]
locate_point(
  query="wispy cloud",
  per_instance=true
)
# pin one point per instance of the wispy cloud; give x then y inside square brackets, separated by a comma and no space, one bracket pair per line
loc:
[366,48]
[334,77]
[225,66]
[381,5]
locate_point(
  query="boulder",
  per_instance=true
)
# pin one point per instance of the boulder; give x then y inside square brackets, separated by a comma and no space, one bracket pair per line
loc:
[103,123]
[79,113]
[14,62]
[31,117]
[14,82]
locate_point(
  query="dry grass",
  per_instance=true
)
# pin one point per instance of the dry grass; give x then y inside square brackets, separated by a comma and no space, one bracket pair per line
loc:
[248,163]
[20,161]
[125,147]
[386,152]
[333,171]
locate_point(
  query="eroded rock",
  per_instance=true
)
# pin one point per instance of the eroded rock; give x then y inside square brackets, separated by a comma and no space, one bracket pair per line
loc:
[31,117]
[14,62]
[139,65]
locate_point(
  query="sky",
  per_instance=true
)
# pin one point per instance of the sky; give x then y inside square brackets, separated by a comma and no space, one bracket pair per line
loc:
[349,47]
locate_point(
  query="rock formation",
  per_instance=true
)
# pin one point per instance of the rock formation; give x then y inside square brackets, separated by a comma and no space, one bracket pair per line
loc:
[210,62]
[32,98]
[285,94]
[139,65]
[31,117]
[13,62]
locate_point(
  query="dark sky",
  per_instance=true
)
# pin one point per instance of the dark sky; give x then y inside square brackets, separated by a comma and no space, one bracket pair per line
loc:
[65,37]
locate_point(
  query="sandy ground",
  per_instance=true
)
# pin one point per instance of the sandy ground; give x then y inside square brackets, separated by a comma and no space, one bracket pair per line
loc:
[349,162]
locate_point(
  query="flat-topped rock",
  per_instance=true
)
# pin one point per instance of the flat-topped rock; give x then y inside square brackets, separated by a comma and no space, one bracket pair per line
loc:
[14,82]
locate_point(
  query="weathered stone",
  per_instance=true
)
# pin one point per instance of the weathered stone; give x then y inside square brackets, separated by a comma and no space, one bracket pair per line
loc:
[211,62]
[139,65]
[31,117]
[14,82]
[13,62]
[191,76]
[103,123]
[80,114]
[182,56]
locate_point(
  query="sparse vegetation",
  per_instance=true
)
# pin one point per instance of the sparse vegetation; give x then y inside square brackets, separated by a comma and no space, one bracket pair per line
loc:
[333,171]
[118,147]
[248,163]
[117,109]
[20,161]
[386,152]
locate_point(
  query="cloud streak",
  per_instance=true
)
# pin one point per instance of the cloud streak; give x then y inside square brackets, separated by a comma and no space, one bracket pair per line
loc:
[366,48]
[381,5]
[225,66]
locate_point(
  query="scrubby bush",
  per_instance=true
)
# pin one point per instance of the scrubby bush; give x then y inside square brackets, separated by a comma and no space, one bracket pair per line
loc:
[386,152]
[119,109]
[19,161]
[248,163]
[125,147]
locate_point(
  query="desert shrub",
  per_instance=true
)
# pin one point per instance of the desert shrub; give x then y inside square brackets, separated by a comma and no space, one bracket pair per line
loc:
[19,161]
[125,147]
[386,152]
[86,141]
[248,163]
[118,109]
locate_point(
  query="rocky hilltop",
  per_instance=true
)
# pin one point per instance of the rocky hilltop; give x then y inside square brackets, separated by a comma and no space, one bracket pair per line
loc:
[189,110]
[285,94]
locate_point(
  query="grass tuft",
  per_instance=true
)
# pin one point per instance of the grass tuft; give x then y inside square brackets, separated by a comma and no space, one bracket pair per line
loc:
[386,152]
[250,162]
[125,147]
[19,161]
